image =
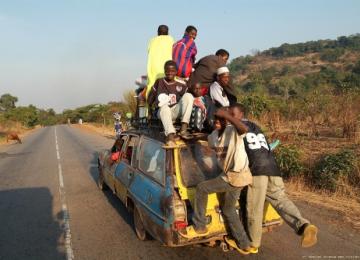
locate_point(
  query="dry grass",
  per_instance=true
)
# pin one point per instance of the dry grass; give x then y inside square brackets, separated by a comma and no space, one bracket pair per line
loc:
[11,127]
[329,140]
[347,206]
[97,128]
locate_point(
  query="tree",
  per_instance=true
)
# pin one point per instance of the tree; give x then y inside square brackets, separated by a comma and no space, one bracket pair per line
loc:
[47,117]
[28,116]
[7,102]
[285,85]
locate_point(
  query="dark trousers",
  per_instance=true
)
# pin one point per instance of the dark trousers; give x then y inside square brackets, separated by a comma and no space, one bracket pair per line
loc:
[231,195]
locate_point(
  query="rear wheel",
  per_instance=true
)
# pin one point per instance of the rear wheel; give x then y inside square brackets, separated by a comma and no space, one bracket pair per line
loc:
[101,181]
[139,226]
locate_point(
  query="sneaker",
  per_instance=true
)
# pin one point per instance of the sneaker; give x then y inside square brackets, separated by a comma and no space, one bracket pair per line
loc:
[309,236]
[232,243]
[253,250]
[192,232]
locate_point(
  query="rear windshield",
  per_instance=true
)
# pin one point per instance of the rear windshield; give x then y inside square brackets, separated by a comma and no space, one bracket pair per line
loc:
[198,163]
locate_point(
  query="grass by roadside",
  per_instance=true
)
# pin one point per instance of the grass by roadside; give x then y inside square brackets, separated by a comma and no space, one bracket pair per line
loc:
[347,207]
[17,128]
[100,129]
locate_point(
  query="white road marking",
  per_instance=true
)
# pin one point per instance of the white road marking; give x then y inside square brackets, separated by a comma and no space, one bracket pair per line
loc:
[66,216]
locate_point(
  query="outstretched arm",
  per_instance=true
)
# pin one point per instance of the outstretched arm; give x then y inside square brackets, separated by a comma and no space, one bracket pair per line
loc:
[225,114]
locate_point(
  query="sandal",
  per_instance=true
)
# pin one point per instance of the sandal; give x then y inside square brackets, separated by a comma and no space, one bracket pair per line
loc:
[186,135]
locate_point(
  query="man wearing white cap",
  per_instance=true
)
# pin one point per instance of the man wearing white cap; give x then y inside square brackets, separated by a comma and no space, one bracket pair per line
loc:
[220,91]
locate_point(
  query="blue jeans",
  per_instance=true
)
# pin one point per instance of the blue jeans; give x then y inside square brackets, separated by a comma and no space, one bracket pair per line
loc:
[231,196]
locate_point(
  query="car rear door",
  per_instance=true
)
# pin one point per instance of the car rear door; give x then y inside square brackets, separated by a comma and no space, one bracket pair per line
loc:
[124,172]
[148,188]
[110,167]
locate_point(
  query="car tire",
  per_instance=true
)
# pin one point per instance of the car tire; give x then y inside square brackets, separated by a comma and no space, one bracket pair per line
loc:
[101,182]
[139,226]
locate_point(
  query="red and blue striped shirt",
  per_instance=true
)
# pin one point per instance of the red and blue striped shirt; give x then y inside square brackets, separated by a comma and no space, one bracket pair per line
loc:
[184,52]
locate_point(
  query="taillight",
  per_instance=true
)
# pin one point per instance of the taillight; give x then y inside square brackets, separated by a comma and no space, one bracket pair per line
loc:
[179,210]
[180,225]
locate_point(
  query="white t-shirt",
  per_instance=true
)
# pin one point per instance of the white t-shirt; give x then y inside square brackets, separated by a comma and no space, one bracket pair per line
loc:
[216,94]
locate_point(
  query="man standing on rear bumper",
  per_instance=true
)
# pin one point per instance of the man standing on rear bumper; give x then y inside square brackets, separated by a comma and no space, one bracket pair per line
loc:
[232,158]
[268,185]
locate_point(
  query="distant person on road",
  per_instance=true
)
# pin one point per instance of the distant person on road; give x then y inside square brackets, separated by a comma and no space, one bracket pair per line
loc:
[159,51]
[220,91]
[117,125]
[172,101]
[118,128]
[184,52]
[205,72]
[232,159]
[268,185]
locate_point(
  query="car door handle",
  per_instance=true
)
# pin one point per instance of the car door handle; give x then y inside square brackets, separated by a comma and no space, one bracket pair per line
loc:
[149,197]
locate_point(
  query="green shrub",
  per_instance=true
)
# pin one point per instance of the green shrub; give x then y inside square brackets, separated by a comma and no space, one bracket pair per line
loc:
[331,55]
[255,105]
[288,159]
[333,168]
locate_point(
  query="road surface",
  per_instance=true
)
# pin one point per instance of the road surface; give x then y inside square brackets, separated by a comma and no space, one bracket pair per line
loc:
[51,208]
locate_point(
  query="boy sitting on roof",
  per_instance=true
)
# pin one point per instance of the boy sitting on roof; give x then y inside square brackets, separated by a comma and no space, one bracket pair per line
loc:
[172,101]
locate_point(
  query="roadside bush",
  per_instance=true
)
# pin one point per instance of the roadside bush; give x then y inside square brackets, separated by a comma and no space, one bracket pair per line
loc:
[334,169]
[288,159]
[255,105]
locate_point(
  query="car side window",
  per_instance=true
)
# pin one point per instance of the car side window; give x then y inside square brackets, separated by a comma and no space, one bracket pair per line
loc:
[123,141]
[152,160]
[130,150]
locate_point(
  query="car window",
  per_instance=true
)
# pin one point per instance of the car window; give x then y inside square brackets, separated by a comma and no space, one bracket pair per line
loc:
[123,140]
[152,160]
[130,150]
[198,163]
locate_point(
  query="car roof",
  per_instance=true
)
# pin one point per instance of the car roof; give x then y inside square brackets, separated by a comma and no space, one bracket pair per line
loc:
[160,137]
[146,132]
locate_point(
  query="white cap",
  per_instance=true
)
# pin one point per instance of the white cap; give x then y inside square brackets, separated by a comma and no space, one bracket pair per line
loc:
[222,70]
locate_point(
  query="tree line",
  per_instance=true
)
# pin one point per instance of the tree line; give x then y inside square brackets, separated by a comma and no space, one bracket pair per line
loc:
[30,116]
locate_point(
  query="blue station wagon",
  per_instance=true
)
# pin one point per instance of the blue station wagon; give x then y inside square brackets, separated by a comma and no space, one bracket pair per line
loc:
[157,184]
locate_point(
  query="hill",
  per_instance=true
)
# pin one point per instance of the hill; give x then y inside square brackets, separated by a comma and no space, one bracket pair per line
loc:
[292,69]
[308,96]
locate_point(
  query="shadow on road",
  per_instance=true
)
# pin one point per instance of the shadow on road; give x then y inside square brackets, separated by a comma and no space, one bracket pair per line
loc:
[7,155]
[112,199]
[28,228]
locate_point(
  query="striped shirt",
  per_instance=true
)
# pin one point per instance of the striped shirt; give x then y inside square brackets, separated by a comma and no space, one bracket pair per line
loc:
[184,52]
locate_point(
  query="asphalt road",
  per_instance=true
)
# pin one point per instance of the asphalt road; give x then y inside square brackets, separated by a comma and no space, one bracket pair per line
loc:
[36,206]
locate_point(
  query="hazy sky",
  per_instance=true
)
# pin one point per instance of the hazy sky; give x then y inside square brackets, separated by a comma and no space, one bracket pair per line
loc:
[64,54]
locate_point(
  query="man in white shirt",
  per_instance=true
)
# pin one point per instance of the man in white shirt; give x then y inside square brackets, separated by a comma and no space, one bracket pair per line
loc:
[220,90]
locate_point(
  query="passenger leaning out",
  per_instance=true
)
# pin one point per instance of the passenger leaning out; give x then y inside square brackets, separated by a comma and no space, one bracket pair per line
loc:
[228,143]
